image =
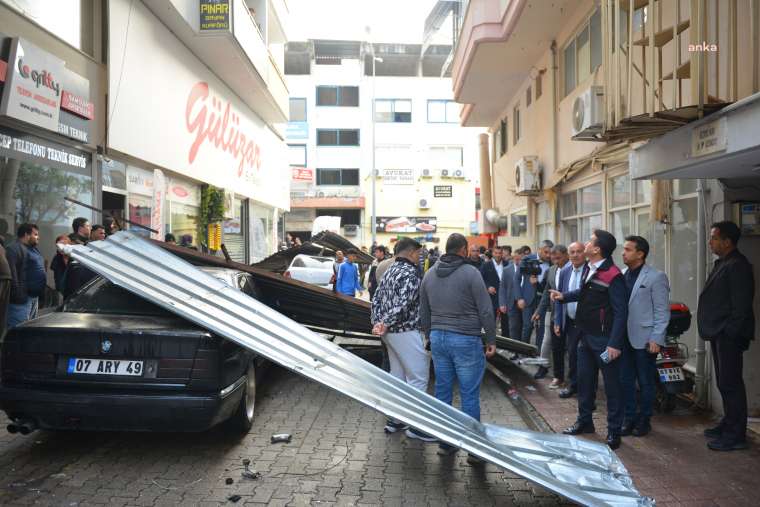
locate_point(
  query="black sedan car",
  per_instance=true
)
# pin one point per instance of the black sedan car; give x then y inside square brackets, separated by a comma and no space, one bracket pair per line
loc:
[109,360]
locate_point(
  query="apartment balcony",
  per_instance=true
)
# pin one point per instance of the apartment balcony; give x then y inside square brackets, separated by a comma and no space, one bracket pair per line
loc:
[246,50]
[499,42]
[327,196]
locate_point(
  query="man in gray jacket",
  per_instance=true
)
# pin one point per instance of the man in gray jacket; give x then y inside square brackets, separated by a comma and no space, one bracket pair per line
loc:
[648,317]
[455,308]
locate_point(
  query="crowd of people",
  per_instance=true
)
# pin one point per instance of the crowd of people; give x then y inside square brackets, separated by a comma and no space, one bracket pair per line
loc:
[584,314]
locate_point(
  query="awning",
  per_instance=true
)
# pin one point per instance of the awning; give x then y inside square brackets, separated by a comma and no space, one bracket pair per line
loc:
[582,471]
[723,145]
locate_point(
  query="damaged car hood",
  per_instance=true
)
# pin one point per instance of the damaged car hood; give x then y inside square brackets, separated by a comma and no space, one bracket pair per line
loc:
[582,471]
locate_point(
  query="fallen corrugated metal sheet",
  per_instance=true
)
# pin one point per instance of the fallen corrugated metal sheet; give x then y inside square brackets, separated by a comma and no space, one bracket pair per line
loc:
[585,472]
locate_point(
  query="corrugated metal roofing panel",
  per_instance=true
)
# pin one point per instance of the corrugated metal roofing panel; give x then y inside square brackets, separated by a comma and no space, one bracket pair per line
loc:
[582,471]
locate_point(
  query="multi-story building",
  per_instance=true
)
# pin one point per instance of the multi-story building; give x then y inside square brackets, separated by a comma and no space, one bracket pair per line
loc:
[569,100]
[426,163]
[158,100]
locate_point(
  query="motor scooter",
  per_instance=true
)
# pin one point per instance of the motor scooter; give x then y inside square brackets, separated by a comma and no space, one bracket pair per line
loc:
[671,379]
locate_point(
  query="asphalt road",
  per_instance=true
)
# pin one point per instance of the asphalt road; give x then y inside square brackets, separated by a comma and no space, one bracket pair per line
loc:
[338,455]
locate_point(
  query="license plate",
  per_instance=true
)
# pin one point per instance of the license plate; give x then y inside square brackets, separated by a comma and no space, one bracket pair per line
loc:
[82,366]
[670,374]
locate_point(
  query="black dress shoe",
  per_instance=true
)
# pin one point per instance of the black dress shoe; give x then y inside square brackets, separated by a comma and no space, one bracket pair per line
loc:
[724,444]
[579,428]
[567,393]
[613,440]
[715,432]
[627,428]
[541,373]
[642,428]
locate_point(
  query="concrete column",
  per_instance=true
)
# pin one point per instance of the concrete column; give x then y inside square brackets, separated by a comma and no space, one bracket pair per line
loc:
[486,197]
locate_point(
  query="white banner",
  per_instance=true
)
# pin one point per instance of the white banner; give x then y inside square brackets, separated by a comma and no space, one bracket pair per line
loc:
[398,176]
[156,217]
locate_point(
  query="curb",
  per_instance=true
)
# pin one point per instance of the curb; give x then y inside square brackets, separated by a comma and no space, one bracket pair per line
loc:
[530,415]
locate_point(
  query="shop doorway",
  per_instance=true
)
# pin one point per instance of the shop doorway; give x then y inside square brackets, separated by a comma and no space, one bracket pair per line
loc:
[114,205]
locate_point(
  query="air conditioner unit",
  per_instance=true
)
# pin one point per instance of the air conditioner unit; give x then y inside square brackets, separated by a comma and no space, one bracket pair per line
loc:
[445,173]
[528,176]
[378,174]
[459,173]
[350,230]
[588,114]
[427,173]
[424,202]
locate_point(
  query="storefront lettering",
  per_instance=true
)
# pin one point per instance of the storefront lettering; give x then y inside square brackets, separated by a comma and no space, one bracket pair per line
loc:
[43,78]
[220,129]
[37,150]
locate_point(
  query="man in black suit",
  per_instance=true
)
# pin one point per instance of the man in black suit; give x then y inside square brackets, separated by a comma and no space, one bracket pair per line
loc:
[601,316]
[492,272]
[726,320]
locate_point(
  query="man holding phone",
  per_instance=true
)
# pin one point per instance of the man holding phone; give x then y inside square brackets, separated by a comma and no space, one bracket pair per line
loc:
[601,316]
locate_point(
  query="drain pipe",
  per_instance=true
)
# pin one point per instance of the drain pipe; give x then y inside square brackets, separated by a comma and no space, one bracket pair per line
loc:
[555,150]
[700,379]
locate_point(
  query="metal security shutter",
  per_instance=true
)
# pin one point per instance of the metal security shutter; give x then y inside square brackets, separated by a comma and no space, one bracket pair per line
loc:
[235,244]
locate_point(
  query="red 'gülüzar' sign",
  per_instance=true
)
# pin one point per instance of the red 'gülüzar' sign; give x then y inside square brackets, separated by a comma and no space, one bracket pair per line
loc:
[219,128]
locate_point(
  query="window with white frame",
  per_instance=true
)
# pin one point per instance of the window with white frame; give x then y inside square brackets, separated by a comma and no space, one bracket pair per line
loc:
[393,110]
[544,223]
[581,212]
[629,210]
[442,111]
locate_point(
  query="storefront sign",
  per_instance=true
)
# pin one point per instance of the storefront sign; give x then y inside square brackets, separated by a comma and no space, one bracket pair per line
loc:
[14,144]
[442,191]
[139,181]
[708,138]
[202,129]
[40,90]
[302,174]
[183,192]
[406,224]
[156,217]
[215,15]
[398,176]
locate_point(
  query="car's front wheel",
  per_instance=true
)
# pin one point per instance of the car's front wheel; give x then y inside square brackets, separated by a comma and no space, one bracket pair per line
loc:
[243,417]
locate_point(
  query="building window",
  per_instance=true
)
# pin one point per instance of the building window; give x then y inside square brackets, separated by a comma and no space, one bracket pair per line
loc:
[445,157]
[515,125]
[340,177]
[393,110]
[337,137]
[539,84]
[297,155]
[583,54]
[393,156]
[342,96]
[581,212]
[442,111]
[63,18]
[544,223]
[297,109]
[528,97]
[503,137]
[629,212]
[518,222]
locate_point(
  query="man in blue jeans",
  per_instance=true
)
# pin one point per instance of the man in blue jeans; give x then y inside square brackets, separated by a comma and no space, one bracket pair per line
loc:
[27,275]
[454,310]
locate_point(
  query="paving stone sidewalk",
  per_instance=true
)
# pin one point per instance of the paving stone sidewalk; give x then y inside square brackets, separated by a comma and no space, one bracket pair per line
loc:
[339,455]
[672,464]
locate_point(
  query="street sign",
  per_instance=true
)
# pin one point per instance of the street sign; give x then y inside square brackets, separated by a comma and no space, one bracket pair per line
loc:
[215,15]
[398,176]
[708,138]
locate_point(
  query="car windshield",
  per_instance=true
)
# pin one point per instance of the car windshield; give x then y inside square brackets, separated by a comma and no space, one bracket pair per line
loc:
[102,296]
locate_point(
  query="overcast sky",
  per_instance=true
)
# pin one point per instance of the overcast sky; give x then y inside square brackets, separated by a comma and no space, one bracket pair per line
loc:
[400,21]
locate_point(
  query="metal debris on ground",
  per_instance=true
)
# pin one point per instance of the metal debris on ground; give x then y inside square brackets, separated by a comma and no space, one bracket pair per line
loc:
[583,471]
[248,473]
[234,498]
[228,481]
[281,437]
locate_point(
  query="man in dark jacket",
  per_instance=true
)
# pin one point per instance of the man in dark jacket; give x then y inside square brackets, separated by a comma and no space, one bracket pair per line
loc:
[82,231]
[28,275]
[5,288]
[373,282]
[454,309]
[601,316]
[492,272]
[475,258]
[725,318]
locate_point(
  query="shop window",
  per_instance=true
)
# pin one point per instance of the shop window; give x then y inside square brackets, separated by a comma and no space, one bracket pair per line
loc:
[262,232]
[342,96]
[544,222]
[184,209]
[114,174]
[393,110]
[628,204]
[337,137]
[442,111]
[683,259]
[233,229]
[34,193]
[581,213]
[297,109]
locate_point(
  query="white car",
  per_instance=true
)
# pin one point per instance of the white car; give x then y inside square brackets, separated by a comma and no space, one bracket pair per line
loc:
[311,269]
